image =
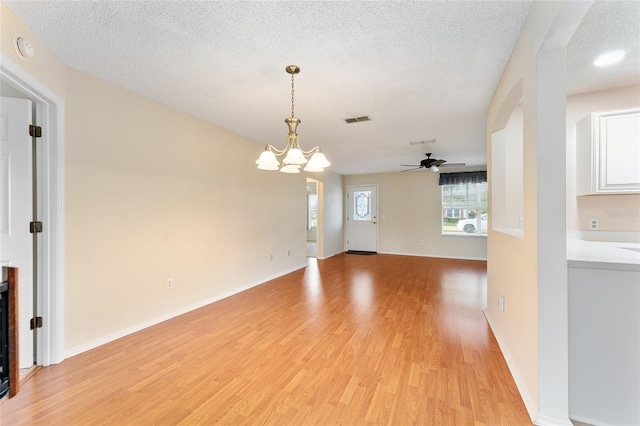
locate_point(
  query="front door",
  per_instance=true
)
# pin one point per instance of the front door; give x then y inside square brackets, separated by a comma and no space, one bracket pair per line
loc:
[362,219]
[16,211]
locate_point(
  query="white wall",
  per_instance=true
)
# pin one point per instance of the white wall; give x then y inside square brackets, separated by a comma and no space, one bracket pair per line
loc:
[603,207]
[507,165]
[410,210]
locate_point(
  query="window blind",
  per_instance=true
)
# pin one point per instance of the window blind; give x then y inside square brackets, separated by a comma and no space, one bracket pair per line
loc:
[462,177]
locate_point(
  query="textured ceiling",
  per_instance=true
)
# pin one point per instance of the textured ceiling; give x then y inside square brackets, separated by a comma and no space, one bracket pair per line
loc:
[609,25]
[420,70]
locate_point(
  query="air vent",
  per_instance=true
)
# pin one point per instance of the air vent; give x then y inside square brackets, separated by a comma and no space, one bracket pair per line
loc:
[422,142]
[357,119]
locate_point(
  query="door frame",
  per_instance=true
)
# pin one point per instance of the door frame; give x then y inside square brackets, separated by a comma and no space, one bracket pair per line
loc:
[347,218]
[50,114]
[19,210]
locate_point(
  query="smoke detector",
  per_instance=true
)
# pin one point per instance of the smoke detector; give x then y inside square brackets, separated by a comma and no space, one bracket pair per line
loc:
[23,47]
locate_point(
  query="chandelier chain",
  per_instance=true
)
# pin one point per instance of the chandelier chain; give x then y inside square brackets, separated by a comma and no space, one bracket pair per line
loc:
[292,93]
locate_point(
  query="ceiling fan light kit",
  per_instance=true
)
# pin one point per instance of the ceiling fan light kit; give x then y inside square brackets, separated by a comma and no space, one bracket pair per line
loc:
[294,156]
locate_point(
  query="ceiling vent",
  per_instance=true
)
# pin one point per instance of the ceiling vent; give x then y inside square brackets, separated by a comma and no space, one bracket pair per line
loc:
[357,119]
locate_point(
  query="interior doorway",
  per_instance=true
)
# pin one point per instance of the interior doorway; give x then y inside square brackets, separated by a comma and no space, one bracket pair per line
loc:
[48,257]
[312,217]
[18,247]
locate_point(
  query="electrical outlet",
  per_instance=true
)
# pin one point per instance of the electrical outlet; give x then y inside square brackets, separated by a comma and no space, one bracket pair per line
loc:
[169,282]
[271,258]
[594,224]
[288,252]
[421,242]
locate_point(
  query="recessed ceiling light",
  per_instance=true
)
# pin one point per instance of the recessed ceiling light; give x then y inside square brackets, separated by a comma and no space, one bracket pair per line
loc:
[609,58]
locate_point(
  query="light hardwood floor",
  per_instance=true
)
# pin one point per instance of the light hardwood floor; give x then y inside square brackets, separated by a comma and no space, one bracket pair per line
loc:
[382,339]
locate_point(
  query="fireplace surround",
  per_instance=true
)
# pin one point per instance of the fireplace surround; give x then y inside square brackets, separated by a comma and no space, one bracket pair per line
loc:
[4,336]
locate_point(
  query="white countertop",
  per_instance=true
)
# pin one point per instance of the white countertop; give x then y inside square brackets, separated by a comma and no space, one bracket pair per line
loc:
[603,255]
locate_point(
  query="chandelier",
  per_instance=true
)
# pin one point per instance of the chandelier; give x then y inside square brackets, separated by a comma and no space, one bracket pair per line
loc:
[294,157]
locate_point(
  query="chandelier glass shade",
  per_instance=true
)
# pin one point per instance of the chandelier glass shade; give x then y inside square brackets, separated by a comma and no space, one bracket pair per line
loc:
[294,157]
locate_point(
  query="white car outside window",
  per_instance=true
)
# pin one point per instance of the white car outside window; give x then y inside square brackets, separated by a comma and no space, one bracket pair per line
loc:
[469,225]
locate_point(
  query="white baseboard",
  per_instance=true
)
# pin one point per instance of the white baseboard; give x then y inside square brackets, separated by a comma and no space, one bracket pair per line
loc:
[325,258]
[552,421]
[526,396]
[434,256]
[141,326]
[587,421]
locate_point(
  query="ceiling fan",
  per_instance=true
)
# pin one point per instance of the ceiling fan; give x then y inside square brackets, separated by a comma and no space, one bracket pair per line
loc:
[431,164]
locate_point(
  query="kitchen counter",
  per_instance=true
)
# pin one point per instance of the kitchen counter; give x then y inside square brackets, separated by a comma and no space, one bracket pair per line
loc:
[621,256]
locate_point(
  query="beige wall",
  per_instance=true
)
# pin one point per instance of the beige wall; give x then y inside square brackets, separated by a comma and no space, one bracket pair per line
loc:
[151,194]
[43,65]
[603,207]
[412,209]
[512,261]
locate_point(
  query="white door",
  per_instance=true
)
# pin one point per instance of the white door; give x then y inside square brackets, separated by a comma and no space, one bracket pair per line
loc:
[362,220]
[16,211]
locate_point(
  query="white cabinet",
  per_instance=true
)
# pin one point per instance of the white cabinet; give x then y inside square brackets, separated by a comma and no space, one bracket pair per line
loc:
[604,346]
[608,152]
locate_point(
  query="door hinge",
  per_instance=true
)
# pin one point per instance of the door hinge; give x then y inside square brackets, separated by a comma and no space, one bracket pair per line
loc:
[36,323]
[35,131]
[35,227]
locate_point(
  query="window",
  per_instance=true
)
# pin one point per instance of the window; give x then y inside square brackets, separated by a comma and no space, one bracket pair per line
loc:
[453,213]
[464,208]
[362,205]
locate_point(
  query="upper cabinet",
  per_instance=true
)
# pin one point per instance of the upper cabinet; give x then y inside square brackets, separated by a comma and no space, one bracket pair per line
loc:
[608,152]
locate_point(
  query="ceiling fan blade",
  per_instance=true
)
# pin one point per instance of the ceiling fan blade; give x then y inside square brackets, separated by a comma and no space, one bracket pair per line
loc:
[453,165]
[438,162]
[408,170]
[411,165]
